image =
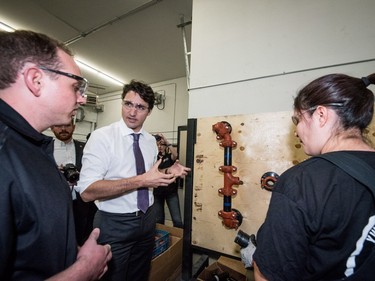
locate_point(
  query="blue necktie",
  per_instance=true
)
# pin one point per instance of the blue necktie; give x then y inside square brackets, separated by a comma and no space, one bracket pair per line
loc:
[142,194]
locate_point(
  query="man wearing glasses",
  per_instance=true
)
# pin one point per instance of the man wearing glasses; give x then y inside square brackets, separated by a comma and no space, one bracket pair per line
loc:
[40,86]
[111,174]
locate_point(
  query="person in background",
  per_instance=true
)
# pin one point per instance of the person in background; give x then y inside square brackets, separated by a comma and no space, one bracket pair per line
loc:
[321,221]
[40,86]
[69,151]
[119,171]
[168,155]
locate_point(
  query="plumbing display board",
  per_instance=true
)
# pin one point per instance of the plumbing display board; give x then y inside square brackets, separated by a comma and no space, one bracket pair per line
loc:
[265,143]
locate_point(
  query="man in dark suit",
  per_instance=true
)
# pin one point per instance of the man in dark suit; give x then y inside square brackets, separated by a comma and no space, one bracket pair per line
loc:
[69,151]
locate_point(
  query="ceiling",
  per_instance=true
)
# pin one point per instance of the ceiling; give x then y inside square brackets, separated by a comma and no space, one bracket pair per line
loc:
[126,39]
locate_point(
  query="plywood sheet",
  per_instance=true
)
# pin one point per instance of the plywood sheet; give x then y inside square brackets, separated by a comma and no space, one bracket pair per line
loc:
[265,142]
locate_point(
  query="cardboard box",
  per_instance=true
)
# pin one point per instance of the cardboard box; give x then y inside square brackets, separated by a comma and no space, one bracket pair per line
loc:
[235,268]
[176,276]
[161,242]
[166,266]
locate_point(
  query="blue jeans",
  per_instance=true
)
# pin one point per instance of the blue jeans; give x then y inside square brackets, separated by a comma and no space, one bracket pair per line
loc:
[169,195]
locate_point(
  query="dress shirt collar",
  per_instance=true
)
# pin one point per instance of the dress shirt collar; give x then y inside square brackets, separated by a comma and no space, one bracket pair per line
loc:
[63,144]
[126,131]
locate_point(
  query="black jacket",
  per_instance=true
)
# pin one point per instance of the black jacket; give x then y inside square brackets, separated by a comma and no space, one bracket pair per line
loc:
[37,237]
[79,146]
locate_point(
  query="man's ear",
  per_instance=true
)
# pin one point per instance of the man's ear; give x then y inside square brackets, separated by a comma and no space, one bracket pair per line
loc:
[33,80]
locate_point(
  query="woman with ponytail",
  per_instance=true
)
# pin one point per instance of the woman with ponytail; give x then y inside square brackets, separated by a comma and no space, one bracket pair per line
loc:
[321,221]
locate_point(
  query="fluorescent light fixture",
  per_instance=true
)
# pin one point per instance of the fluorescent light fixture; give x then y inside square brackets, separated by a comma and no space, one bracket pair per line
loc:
[82,64]
[6,27]
[98,72]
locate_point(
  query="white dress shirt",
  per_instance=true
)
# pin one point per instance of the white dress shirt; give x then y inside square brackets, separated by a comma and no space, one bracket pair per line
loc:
[64,153]
[108,155]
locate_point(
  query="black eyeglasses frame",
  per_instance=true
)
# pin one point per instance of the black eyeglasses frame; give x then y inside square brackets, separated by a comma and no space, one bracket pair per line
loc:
[84,83]
[295,119]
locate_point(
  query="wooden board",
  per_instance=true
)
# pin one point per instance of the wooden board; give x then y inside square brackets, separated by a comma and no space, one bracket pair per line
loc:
[265,143]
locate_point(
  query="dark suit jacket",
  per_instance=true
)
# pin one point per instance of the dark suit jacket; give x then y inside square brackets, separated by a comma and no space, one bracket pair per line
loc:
[83,212]
[79,153]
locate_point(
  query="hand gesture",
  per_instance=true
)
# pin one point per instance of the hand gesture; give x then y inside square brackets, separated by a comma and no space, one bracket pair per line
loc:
[154,178]
[94,255]
[178,170]
[91,263]
[162,137]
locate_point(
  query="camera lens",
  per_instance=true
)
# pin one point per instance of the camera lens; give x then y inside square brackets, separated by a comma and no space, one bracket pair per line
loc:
[242,239]
[71,173]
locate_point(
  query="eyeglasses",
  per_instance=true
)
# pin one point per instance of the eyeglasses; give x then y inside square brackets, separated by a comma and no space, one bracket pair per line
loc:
[129,105]
[82,82]
[296,119]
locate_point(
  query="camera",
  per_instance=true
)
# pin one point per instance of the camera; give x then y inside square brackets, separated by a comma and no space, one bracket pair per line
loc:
[243,239]
[71,173]
[157,137]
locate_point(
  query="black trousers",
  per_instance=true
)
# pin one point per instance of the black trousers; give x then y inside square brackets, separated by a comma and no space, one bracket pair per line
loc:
[132,239]
[84,213]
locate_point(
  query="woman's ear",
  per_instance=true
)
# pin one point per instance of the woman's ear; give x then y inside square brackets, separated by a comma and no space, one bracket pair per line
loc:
[33,80]
[322,113]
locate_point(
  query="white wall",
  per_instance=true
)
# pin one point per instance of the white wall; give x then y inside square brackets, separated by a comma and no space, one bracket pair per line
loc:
[251,56]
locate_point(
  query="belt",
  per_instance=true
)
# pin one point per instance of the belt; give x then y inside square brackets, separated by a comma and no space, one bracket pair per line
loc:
[138,213]
[134,214]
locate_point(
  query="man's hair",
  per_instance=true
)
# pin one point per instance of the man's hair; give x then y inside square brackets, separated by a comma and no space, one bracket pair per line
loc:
[23,46]
[143,90]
